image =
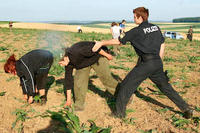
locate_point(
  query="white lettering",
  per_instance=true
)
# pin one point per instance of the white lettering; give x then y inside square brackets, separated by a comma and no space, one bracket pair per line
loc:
[150,29]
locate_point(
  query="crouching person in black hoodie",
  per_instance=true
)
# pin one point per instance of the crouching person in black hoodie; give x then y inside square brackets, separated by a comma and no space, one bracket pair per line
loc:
[32,69]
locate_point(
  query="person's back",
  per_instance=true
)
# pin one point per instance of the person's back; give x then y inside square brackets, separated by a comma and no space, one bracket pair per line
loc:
[122,25]
[146,37]
[115,31]
[36,58]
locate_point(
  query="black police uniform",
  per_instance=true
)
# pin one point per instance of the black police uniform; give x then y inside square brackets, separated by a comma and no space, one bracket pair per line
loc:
[146,40]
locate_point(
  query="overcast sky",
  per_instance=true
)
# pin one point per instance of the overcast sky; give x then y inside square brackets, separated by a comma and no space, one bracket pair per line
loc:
[95,10]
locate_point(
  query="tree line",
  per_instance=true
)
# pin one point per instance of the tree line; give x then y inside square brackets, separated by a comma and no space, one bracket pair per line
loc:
[189,19]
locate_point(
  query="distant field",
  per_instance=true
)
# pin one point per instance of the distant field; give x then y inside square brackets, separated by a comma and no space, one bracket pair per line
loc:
[178,27]
[163,26]
[182,28]
[4,22]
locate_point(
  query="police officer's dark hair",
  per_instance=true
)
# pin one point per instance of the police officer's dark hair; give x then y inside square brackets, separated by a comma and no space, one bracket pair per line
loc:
[143,12]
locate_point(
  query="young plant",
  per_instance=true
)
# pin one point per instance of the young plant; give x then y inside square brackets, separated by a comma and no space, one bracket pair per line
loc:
[69,122]
[21,116]
[11,78]
[2,93]
[148,131]
[180,123]
[3,48]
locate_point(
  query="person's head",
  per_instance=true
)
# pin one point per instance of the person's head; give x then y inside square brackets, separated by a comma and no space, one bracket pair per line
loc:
[140,14]
[123,21]
[10,65]
[113,24]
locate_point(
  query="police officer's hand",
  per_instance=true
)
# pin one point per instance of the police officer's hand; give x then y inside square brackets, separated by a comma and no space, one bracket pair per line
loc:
[97,45]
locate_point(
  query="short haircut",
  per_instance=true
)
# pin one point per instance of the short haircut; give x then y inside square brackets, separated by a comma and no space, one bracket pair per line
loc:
[143,12]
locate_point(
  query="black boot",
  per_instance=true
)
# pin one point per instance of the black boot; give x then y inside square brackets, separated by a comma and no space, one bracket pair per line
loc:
[188,113]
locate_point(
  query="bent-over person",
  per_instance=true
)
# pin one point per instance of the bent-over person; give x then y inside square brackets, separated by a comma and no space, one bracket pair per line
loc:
[80,57]
[32,69]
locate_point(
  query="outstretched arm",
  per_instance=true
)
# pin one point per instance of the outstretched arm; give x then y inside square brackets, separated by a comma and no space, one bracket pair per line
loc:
[106,42]
[108,56]
[162,50]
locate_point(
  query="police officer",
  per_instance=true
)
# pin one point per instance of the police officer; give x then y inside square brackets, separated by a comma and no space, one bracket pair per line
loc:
[148,43]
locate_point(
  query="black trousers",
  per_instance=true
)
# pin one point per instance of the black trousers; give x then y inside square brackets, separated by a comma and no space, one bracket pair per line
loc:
[147,67]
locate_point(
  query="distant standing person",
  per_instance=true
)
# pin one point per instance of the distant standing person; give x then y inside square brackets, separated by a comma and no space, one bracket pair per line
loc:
[32,69]
[10,24]
[115,31]
[148,42]
[79,29]
[190,33]
[122,25]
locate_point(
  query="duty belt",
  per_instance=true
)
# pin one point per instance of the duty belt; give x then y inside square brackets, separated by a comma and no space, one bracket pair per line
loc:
[146,57]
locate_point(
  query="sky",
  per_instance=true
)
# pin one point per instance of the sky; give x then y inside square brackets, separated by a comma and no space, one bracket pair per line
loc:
[95,10]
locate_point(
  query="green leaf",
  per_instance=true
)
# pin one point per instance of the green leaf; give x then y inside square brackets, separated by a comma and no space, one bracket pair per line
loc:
[106,130]
[129,111]
[197,109]
[37,98]
[2,93]
[196,121]
[94,128]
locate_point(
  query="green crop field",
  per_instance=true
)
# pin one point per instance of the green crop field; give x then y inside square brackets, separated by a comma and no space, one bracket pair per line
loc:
[150,111]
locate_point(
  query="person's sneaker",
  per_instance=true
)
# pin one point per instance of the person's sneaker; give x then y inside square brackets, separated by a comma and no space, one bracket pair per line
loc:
[43,100]
[188,113]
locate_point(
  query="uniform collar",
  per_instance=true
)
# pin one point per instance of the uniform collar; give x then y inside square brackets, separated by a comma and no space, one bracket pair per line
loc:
[144,23]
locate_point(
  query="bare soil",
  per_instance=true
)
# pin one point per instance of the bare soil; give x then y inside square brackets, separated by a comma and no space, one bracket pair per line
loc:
[146,113]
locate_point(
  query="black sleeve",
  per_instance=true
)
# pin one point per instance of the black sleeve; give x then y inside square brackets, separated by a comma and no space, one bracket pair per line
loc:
[162,37]
[128,36]
[69,81]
